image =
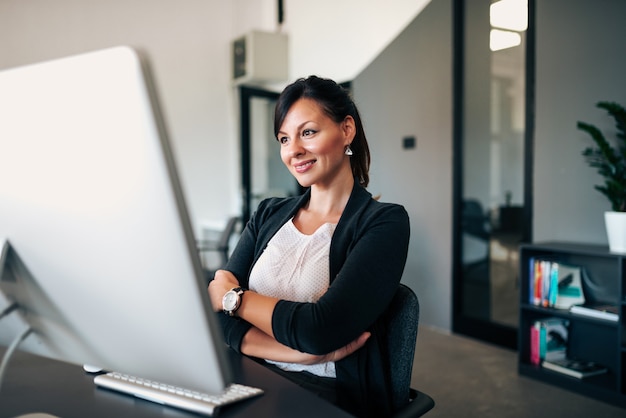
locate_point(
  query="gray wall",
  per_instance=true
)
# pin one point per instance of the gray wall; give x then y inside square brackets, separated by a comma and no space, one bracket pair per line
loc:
[407,91]
[581,59]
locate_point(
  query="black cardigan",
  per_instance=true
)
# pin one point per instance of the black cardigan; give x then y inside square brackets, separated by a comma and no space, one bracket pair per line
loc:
[367,256]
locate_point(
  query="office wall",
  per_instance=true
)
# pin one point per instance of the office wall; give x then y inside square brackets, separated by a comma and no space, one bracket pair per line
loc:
[341,43]
[188,43]
[407,91]
[581,59]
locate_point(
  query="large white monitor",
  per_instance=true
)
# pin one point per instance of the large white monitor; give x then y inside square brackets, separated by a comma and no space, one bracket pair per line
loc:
[99,252]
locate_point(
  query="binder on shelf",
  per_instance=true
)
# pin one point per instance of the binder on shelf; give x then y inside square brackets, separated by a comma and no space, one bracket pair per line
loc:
[597,310]
[569,287]
[575,368]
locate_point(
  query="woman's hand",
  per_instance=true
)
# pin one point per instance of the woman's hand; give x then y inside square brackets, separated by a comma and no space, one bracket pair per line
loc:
[258,344]
[221,283]
[259,341]
[344,351]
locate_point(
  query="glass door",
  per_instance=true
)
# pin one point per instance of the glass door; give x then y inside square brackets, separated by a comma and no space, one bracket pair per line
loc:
[263,173]
[491,191]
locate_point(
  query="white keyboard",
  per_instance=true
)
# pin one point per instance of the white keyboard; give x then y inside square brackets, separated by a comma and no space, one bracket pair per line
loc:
[197,402]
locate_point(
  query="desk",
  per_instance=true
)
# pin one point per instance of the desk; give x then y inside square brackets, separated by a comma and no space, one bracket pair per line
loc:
[37,384]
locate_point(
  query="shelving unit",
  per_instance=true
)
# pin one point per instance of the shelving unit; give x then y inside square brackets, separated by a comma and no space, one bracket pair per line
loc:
[597,340]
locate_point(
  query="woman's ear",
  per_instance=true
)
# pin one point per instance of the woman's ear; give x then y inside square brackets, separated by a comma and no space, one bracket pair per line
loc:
[349,129]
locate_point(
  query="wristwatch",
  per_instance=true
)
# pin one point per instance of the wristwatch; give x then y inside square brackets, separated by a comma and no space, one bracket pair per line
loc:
[232,300]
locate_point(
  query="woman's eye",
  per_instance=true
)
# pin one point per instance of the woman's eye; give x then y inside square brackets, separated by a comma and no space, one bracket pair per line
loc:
[282,140]
[308,132]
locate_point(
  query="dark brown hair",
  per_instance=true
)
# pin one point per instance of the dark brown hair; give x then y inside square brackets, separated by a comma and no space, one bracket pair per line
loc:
[337,104]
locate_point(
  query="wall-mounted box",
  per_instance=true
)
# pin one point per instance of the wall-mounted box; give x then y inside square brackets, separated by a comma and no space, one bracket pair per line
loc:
[260,57]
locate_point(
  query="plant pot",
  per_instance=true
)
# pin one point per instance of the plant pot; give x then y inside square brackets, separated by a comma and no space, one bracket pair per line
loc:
[616,230]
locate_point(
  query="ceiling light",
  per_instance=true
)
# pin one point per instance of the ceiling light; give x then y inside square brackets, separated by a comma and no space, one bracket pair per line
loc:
[509,14]
[502,39]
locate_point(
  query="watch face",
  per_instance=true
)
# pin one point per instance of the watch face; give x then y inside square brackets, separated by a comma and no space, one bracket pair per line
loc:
[230,300]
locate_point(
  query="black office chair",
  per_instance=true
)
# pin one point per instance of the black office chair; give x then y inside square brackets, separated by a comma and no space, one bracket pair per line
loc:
[402,318]
[221,246]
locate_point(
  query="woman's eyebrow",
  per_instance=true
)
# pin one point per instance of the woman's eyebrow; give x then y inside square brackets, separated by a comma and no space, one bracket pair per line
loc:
[298,127]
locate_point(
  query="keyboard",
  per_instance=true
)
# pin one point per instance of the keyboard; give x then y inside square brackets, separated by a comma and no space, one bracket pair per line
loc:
[201,403]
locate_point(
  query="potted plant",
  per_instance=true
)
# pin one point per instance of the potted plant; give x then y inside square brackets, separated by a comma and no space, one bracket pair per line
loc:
[610,161]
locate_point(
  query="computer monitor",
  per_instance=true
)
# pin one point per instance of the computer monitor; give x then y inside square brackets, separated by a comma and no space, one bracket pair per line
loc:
[99,252]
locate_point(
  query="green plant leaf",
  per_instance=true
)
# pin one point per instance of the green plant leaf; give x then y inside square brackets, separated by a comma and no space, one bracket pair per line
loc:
[609,162]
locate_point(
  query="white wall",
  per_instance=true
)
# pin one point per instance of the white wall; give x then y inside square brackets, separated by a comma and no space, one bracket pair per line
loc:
[407,90]
[581,59]
[188,42]
[338,39]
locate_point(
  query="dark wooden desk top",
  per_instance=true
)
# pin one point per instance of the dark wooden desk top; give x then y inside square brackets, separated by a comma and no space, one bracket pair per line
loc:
[36,384]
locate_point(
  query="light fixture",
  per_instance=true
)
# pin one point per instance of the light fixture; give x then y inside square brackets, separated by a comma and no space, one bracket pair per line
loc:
[509,14]
[502,39]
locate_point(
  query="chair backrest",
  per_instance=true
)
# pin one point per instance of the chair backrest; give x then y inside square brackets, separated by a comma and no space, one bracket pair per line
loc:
[474,220]
[223,245]
[402,318]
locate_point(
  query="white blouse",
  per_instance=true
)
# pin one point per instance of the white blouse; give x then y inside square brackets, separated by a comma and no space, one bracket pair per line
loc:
[295,267]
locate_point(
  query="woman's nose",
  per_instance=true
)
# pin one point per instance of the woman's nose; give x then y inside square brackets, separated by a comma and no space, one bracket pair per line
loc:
[294,148]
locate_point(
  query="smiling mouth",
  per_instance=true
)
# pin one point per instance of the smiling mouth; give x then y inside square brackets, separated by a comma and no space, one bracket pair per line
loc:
[301,168]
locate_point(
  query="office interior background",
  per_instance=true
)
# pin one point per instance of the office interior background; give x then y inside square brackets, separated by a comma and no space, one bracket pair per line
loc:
[401,60]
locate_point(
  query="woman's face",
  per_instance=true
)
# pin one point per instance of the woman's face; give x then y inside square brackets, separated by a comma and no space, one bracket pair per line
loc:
[312,145]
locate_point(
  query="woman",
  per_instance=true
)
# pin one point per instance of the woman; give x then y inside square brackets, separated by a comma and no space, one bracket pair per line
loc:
[311,275]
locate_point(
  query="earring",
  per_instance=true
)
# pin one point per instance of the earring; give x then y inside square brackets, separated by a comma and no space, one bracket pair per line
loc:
[348,151]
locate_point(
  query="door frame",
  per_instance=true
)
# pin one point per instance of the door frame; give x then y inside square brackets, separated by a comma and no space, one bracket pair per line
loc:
[246,94]
[489,331]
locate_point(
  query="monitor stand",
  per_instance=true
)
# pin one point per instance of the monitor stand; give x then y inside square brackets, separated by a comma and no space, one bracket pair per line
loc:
[4,253]
[6,276]
[19,289]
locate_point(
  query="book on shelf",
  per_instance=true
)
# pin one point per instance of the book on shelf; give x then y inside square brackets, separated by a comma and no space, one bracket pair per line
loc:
[535,344]
[575,368]
[606,311]
[548,340]
[554,284]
